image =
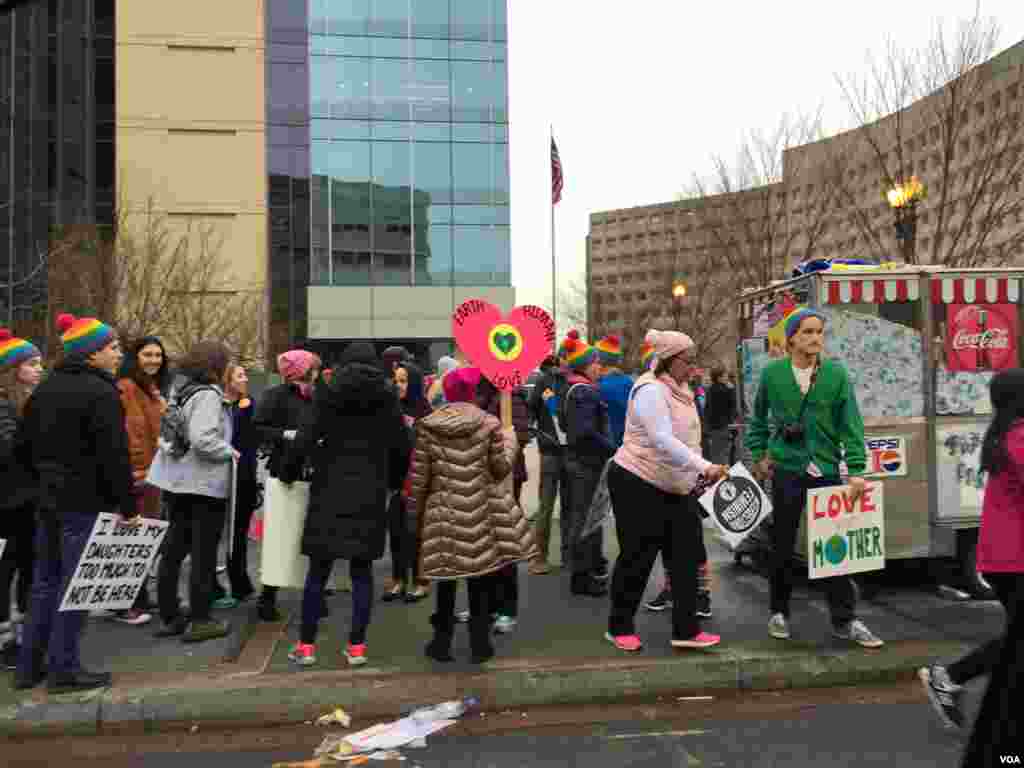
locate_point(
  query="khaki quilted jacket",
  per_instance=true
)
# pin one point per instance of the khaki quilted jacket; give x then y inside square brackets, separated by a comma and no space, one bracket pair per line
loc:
[470,522]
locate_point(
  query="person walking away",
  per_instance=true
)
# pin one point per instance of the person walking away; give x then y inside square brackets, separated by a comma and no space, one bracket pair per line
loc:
[21,368]
[471,525]
[198,474]
[74,440]
[505,601]
[652,476]
[280,413]
[145,374]
[245,442]
[589,446]
[1000,554]
[805,413]
[403,530]
[614,386]
[554,482]
[435,389]
[359,447]
[720,413]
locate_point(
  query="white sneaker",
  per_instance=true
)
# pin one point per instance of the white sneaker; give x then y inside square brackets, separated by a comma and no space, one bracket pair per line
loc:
[857,632]
[778,627]
[504,624]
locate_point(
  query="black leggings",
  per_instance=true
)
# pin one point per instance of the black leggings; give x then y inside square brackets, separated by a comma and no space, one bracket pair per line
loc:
[1009,588]
[196,525]
[405,544]
[19,528]
[652,521]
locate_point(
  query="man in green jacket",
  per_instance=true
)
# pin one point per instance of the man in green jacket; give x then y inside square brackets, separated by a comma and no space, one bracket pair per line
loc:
[805,419]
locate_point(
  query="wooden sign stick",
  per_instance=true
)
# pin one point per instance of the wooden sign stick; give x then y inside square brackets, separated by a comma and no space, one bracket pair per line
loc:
[506,409]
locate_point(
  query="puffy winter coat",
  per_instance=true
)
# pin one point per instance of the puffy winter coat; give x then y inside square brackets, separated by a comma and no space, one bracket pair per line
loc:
[359,447]
[470,522]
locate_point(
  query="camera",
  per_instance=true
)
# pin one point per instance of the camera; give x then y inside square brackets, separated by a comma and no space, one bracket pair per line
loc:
[793,433]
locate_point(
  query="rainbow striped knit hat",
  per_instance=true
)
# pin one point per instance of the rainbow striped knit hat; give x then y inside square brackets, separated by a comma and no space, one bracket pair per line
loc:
[15,351]
[609,350]
[82,336]
[572,335]
[646,355]
[579,354]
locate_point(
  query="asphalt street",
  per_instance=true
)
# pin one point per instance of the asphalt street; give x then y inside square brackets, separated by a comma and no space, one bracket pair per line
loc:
[796,729]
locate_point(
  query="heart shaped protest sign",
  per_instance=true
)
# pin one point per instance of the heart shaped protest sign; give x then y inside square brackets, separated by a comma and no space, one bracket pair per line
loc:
[505,349]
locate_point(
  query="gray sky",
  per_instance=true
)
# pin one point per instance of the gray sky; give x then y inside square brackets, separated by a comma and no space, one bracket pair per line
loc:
[642,95]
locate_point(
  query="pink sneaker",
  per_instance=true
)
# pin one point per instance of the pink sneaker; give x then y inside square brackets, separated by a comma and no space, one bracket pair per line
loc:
[303,654]
[700,640]
[628,643]
[356,655]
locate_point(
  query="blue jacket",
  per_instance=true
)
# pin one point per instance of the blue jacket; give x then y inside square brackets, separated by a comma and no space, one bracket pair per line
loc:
[615,389]
[586,423]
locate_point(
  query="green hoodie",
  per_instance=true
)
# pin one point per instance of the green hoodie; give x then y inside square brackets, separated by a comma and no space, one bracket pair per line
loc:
[832,420]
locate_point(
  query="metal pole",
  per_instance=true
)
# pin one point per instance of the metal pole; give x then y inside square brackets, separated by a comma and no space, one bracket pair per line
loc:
[554,264]
[10,202]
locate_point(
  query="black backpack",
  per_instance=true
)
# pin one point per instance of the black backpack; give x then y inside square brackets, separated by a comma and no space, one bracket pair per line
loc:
[173,425]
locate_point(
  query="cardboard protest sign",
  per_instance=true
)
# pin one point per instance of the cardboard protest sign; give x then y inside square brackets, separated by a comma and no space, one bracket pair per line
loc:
[737,504]
[506,349]
[113,565]
[845,538]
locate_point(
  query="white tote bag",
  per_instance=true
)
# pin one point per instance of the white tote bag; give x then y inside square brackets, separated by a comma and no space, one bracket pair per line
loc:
[284,517]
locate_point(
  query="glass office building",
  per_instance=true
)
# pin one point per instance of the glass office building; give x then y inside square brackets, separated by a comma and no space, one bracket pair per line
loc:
[408,162]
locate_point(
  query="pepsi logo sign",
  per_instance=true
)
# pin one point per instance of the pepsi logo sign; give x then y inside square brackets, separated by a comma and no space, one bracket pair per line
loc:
[887,456]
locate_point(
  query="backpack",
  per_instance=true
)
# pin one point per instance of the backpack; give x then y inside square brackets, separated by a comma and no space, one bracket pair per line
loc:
[562,421]
[173,424]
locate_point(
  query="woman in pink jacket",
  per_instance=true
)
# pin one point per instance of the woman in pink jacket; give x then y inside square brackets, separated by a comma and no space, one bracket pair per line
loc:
[1000,545]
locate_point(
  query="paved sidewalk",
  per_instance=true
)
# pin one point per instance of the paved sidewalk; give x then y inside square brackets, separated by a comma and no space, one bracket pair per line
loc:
[556,654]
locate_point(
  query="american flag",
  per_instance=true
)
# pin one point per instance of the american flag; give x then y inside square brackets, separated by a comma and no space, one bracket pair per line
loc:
[556,173]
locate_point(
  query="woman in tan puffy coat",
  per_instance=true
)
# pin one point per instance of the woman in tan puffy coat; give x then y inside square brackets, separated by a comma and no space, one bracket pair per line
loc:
[471,525]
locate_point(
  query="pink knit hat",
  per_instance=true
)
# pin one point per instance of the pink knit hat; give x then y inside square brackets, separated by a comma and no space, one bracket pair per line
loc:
[295,363]
[668,344]
[460,385]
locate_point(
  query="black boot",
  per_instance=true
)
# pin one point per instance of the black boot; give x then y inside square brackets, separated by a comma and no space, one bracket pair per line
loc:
[82,680]
[585,584]
[480,644]
[34,676]
[440,647]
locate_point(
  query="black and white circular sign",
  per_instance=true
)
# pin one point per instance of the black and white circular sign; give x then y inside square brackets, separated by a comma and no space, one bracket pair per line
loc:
[737,504]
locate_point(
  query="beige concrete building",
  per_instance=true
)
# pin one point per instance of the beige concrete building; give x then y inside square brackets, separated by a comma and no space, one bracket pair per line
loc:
[190,123]
[791,221]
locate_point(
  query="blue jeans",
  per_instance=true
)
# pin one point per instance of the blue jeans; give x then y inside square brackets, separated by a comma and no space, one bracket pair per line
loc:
[313,599]
[60,541]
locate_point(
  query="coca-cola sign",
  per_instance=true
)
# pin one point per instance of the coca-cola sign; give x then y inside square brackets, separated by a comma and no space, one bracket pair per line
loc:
[981,337]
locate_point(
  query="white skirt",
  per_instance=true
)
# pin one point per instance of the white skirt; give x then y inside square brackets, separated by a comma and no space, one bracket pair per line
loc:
[282,563]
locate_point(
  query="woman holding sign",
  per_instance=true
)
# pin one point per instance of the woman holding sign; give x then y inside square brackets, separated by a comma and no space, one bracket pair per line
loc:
[805,415]
[652,476]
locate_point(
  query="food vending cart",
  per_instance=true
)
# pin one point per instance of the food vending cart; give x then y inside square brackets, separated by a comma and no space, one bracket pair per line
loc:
[921,345]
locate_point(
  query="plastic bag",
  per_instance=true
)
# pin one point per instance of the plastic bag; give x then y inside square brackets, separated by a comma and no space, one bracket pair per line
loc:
[600,506]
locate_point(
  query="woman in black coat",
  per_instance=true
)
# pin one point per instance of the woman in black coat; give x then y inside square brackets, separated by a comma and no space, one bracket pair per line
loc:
[360,450]
[281,412]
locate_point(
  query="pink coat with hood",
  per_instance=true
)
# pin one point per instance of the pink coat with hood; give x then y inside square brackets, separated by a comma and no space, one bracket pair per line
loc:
[1001,540]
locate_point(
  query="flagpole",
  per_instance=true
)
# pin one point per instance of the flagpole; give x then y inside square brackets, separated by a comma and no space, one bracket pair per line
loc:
[554,261]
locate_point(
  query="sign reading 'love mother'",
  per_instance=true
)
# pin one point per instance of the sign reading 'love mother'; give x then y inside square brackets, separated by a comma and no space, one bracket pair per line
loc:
[506,349]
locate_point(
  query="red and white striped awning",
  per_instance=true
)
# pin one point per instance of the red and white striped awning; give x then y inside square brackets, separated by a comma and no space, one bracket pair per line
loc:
[976,290]
[873,290]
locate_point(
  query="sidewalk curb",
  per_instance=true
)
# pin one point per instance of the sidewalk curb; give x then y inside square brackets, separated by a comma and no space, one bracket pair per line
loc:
[247,699]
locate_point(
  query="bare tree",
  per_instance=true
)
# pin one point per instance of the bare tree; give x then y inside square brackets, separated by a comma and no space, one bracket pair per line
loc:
[748,210]
[151,279]
[952,117]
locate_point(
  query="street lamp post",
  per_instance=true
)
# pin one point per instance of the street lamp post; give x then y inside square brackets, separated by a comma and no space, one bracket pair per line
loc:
[903,199]
[678,296]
